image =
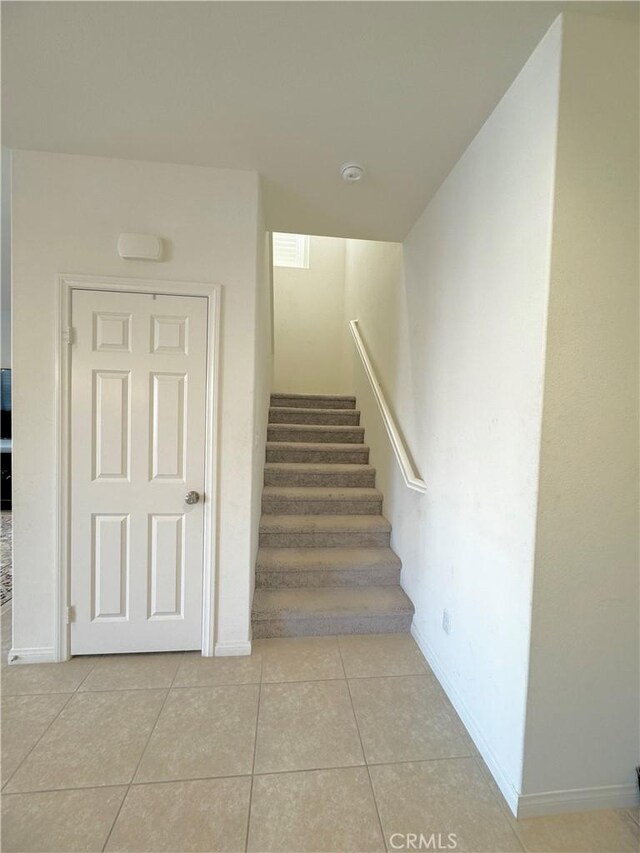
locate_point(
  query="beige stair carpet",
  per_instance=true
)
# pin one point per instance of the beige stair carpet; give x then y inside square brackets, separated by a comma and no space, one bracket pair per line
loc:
[324,564]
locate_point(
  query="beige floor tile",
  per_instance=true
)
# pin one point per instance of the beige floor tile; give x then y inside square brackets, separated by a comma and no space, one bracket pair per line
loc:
[631,819]
[59,820]
[634,814]
[24,720]
[493,785]
[300,659]
[132,672]
[600,831]
[203,732]
[317,810]
[196,671]
[407,719]
[445,802]
[97,739]
[205,815]
[366,655]
[306,725]
[45,677]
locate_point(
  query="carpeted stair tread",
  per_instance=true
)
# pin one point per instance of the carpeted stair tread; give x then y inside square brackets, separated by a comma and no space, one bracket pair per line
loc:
[323,500]
[311,451]
[320,433]
[330,610]
[327,600]
[321,493]
[313,401]
[298,415]
[319,474]
[315,559]
[324,563]
[324,523]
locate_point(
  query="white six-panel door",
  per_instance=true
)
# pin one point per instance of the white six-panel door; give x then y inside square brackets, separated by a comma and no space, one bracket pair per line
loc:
[138,396]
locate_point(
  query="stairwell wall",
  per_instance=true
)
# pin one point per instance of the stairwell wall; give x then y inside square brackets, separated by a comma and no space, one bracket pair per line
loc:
[308,320]
[455,324]
[263,368]
[506,335]
[5,258]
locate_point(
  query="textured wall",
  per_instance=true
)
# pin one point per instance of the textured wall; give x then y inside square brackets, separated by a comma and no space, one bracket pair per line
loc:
[67,214]
[309,322]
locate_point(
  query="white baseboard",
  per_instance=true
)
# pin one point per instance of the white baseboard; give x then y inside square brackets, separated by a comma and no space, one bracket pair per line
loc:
[508,791]
[41,655]
[527,805]
[232,649]
[579,800]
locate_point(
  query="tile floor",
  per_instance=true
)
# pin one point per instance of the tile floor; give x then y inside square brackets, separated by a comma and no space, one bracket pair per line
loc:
[317,744]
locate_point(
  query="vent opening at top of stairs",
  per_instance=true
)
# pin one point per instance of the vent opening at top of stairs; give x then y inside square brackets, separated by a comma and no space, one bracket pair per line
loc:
[324,564]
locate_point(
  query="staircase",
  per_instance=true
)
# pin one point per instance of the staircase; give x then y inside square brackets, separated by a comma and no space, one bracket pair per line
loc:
[324,563]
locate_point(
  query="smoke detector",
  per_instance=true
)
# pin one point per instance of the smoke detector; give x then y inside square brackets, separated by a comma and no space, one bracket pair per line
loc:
[351,172]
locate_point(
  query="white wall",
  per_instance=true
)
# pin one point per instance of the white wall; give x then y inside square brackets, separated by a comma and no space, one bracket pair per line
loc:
[458,338]
[67,214]
[583,726]
[507,346]
[375,296]
[309,322]
[264,345]
[5,260]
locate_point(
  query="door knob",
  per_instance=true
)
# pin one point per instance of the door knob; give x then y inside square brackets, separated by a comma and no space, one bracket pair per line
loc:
[191,498]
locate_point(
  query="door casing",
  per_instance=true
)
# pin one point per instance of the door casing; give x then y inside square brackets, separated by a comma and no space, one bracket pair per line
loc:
[66,283]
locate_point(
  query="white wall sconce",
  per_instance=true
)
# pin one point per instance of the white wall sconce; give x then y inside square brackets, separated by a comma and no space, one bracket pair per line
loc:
[140,247]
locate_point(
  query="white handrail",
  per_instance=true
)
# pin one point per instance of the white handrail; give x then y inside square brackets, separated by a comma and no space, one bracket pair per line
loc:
[409,474]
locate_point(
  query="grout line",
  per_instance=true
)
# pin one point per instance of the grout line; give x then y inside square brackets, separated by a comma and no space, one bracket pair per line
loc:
[144,749]
[390,675]
[305,681]
[502,803]
[6,695]
[96,787]
[364,764]
[127,689]
[127,785]
[101,661]
[255,749]
[516,834]
[68,694]
[91,666]
[215,685]
[37,741]
[135,784]
[364,754]
[486,773]
[633,817]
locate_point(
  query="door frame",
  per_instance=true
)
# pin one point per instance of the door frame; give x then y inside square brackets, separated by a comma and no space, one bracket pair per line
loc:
[66,284]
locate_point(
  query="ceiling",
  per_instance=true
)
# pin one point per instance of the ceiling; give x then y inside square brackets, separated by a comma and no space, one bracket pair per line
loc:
[290,89]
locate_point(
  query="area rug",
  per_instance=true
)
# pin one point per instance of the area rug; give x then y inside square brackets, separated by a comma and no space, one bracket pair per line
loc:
[6,573]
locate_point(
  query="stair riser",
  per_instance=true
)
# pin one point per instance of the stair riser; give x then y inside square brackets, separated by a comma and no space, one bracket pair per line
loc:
[365,479]
[292,454]
[383,576]
[310,403]
[279,506]
[348,435]
[316,626]
[324,539]
[288,416]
